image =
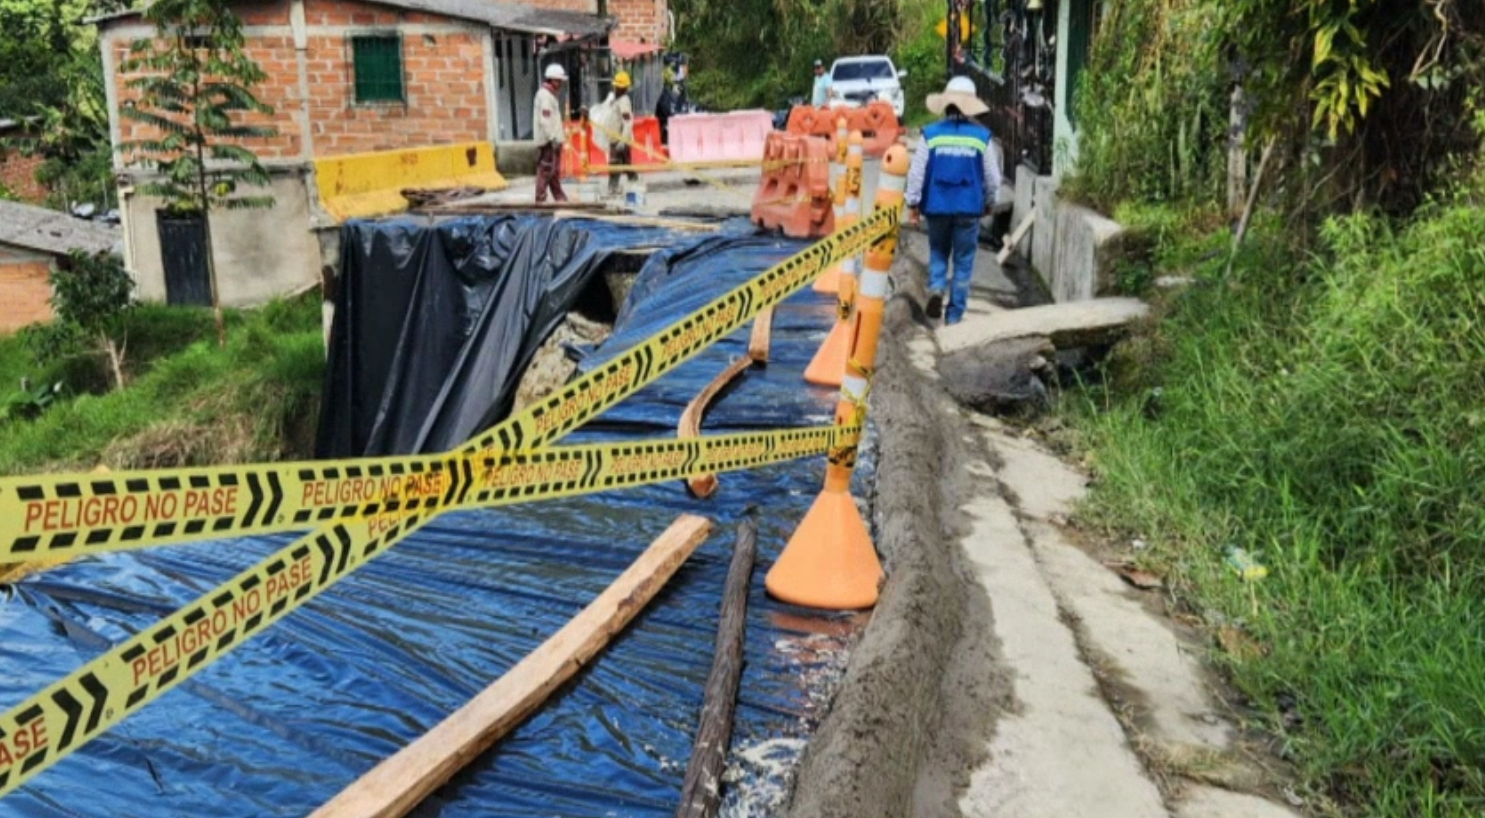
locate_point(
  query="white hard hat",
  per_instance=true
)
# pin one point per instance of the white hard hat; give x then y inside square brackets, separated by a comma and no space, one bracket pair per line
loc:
[555,71]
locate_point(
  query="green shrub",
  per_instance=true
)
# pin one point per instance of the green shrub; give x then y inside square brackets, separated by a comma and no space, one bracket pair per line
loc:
[190,402]
[1324,413]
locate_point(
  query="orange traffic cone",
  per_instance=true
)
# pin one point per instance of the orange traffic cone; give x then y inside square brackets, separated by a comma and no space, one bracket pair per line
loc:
[829,364]
[830,561]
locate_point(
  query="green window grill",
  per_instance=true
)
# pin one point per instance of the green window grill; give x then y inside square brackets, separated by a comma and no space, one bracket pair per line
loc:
[378,67]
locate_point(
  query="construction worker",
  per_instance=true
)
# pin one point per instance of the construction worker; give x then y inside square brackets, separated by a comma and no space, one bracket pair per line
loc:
[821,93]
[621,114]
[953,180]
[551,134]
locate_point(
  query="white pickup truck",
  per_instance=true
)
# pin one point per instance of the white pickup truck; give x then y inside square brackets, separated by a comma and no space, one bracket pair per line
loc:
[855,81]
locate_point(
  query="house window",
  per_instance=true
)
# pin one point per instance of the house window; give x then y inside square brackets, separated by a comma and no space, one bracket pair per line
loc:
[378,67]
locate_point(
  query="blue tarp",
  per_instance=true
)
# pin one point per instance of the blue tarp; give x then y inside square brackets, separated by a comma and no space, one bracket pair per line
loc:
[286,721]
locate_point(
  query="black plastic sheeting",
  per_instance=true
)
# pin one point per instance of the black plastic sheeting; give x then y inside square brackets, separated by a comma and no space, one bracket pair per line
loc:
[470,300]
[286,721]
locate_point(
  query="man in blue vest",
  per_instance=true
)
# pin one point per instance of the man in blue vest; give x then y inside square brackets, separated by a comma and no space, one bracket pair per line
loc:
[953,180]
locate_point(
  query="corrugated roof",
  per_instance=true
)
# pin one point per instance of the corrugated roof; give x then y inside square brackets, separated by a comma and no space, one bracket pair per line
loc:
[508,16]
[51,231]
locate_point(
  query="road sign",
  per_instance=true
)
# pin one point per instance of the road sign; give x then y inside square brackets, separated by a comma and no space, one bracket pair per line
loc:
[964,28]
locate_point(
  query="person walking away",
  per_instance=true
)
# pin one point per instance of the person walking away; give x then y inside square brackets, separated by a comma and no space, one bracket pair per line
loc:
[821,93]
[621,141]
[953,180]
[551,135]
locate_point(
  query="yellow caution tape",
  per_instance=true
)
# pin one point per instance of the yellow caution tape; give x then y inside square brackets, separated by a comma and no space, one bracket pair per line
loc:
[51,724]
[497,468]
[61,515]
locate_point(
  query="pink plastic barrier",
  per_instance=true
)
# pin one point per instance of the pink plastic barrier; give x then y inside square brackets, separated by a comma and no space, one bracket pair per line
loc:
[738,135]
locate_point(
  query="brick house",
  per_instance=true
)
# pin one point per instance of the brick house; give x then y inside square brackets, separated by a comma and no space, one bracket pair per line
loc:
[370,96]
[17,170]
[33,242]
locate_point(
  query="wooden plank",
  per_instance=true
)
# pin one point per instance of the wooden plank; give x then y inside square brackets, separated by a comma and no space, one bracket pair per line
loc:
[398,784]
[477,207]
[701,794]
[758,341]
[640,221]
[705,485]
[1015,238]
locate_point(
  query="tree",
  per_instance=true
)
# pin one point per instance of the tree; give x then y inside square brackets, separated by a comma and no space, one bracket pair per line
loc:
[90,295]
[194,89]
[35,44]
[51,75]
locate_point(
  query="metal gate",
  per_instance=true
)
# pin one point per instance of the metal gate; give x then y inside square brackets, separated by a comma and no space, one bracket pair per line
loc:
[1012,60]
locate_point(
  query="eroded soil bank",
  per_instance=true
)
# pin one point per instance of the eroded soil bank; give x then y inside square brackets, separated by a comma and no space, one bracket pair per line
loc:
[922,688]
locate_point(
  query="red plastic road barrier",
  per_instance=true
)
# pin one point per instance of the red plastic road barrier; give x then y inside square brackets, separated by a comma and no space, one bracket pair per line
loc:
[794,192]
[876,121]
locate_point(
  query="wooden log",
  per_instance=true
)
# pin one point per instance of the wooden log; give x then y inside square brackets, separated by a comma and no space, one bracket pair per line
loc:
[701,794]
[395,786]
[705,485]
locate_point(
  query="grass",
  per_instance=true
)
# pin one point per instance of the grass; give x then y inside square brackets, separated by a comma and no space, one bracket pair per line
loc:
[188,402]
[1327,414]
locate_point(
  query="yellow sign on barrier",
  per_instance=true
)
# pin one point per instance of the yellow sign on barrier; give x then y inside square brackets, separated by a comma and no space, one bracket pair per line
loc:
[498,468]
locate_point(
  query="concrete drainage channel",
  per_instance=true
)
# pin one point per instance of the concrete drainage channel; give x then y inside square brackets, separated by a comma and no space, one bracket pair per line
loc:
[1006,670]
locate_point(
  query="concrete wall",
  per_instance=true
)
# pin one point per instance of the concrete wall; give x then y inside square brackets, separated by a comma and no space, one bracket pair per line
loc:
[24,288]
[1085,248]
[259,254]
[1064,137]
[1071,248]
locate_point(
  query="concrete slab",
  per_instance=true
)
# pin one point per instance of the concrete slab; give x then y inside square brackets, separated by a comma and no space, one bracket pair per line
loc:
[1068,325]
[1046,489]
[1210,802]
[1063,754]
[1171,707]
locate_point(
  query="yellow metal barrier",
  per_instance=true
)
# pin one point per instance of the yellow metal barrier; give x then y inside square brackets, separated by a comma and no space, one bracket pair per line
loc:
[370,184]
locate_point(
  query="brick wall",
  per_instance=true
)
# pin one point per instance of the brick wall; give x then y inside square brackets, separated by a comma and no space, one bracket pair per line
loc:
[443,85]
[275,55]
[639,20]
[24,291]
[443,81]
[18,175]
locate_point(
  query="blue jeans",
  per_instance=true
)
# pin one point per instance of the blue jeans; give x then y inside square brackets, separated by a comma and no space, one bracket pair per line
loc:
[959,235]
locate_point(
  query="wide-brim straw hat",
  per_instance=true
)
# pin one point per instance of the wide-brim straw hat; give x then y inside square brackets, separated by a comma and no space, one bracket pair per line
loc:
[960,93]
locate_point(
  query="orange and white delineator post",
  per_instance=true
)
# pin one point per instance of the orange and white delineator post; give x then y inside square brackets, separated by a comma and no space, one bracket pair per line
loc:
[830,561]
[828,367]
[828,282]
